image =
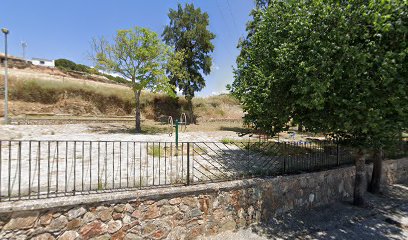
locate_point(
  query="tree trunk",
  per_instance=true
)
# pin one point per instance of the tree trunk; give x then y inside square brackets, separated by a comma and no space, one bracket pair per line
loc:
[375,183]
[360,182]
[190,110]
[138,129]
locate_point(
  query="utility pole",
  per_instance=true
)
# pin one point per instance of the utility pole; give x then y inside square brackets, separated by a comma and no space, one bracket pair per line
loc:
[5,31]
[24,46]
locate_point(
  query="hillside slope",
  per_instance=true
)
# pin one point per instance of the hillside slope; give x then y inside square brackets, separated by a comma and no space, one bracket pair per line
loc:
[50,91]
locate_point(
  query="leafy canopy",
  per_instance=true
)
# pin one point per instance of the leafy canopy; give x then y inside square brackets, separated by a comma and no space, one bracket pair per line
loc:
[336,67]
[188,34]
[136,54]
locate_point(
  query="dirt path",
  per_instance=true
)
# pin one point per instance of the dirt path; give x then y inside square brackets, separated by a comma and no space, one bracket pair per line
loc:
[385,217]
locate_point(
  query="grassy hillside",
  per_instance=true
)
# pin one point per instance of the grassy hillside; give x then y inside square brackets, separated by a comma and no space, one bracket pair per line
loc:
[37,95]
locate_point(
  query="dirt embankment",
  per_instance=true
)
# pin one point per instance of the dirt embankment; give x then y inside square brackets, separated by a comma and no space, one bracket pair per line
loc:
[51,91]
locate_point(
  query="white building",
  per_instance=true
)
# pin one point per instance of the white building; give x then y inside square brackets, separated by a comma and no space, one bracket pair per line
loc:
[43,62]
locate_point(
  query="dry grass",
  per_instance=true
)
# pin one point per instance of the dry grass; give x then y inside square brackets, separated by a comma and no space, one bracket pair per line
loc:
[90,99]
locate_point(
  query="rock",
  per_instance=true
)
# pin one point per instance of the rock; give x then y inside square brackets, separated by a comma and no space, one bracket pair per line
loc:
[114,226]
[76,212]
[152,212]
[137,214]
[127,219]
[132,236]
[190,201]
[184,208]
[228,226]
[103,237]
[57,224]
[119,235]
[68,235]
[159,234]
[117,216]
[204,205]
[195,212]
[175,201]
[89,217]
[149,228]
[73,224]
[119,208]
[104,213]
[129,208]
[46,219]
[21,220]
[168,210]
[93,229]
[162,202]
[194,232]
[44,236]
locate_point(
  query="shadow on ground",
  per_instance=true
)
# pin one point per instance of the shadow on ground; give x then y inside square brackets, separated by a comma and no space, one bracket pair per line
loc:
[384,217]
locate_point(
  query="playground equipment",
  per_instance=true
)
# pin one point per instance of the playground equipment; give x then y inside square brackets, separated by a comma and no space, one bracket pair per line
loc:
[178,124]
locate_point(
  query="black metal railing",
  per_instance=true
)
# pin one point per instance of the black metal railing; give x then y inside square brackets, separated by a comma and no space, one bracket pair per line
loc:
[43,169]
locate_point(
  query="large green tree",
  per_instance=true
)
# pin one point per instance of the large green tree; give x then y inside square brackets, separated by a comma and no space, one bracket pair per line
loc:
[336,67]
[188,33]
[136,54]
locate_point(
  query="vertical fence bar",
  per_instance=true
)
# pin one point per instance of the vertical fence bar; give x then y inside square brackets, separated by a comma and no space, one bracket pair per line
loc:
[39,169]
[127,164]
[120,164]
[48,167]
[29,169]
[140,165]
[152,162]
[159,162]
[9,171]
[74,190]
[188,163]
[56,182]
[113,167]
[83,168]
[147,164]
[90,165]
[99,167]
[165,163]
[171,162]
[66,167]
[1,164]
[19,169]
[106,164]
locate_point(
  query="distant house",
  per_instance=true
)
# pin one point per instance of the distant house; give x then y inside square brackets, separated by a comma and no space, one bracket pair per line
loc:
[43,62]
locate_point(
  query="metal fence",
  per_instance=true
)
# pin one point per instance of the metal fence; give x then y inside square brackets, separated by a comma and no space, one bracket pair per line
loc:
[44,169]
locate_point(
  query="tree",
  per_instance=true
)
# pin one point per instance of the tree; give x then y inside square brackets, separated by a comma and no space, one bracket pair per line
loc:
[188,33]
[136,54]
[336,67]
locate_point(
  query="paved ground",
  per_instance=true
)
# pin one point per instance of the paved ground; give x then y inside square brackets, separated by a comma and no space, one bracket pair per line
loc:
[385,217]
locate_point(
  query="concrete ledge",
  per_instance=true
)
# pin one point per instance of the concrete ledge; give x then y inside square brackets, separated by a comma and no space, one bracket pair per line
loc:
[122,196]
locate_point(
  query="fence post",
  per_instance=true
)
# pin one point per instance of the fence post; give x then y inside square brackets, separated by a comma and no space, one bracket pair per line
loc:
[284,157]
[188,163]
[337,153]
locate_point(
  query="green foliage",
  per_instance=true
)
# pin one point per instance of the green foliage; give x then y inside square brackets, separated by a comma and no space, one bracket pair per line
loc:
[189,35]
[139,55]
[136,54]
[336,67]
[67,65]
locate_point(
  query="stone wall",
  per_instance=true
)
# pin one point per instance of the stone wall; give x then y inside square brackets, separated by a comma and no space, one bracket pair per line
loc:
[182,212]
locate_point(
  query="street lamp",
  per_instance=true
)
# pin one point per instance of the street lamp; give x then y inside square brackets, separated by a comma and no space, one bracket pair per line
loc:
[5,31]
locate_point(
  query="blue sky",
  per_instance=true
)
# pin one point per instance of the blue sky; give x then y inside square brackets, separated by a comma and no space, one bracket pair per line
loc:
[64,29]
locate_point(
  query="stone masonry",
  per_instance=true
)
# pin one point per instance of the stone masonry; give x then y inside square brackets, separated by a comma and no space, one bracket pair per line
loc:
[179,212]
